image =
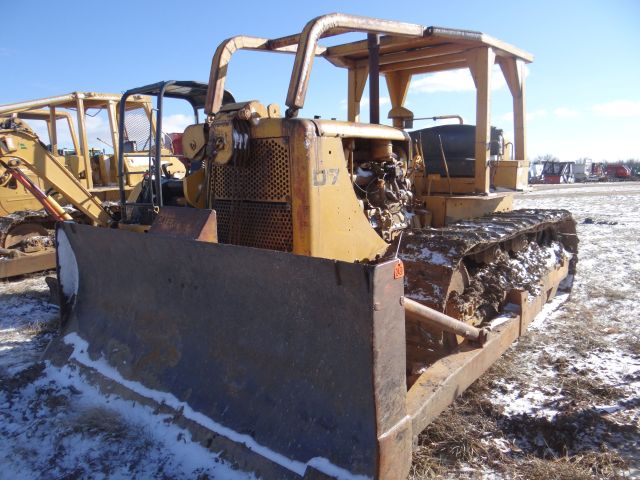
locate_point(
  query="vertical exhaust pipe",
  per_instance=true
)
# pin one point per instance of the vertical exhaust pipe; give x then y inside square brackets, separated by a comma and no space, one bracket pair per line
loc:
[373,42]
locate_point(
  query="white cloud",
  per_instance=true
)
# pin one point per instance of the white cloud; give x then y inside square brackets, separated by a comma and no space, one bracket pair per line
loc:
[451,81]
[176,123]
[560,112]
[536,114]
[383,101]
[364,102]
[618,108]
[454,81]
[564,112]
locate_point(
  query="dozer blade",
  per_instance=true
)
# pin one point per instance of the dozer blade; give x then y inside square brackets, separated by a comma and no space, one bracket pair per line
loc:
[290,366]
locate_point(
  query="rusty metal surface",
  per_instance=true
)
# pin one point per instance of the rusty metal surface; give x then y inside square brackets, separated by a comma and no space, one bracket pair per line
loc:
[423,314]
[316,28]
[194,223]
[40,257]
[400,43]
[305,355]
[395,441]
[264,176]
[446,379]
[253,199]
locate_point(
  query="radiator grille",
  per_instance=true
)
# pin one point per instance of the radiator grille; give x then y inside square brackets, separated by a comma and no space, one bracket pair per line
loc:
[253,200]
[265,177]
[255,224]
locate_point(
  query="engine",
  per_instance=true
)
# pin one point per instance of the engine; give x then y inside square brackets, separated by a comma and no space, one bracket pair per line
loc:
[379,176]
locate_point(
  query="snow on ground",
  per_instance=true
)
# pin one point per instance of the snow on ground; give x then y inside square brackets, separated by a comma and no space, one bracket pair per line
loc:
[27,321]
[564,402]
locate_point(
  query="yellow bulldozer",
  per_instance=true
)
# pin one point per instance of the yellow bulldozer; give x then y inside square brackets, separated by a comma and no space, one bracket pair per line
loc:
[325,294]
[36,173]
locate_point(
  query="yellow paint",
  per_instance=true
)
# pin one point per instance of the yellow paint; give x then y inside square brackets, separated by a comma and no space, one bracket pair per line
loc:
[102,168]
[513,174]
[328,221]
[448,209]
[34,157]
[193,189]
[339,227]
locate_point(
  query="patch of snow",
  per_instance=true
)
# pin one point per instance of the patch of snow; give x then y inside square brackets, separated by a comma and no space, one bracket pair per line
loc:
[24,314]
[435,257]
[548,310]
[514,401]
[617,368]
[325,466]
[189,455]
[504,318]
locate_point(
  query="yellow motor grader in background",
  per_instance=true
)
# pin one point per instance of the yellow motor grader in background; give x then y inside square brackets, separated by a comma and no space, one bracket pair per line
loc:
[36,175]
[324,296]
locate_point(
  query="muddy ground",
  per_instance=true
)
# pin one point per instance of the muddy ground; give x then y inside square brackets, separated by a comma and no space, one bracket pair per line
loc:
[564,402]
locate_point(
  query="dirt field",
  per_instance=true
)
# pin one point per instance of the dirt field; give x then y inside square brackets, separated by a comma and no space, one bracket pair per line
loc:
[564,402]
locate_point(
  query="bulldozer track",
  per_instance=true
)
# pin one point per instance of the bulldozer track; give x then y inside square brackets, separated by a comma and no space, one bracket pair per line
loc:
[469,268]
[15,219]
[443,250]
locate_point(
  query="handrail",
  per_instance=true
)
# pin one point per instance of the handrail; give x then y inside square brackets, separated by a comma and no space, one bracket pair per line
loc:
[219,62]
[305,47]
[324,25]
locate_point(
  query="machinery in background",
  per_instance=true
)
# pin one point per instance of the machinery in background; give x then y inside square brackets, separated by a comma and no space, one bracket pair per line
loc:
[36,175]
[617,172]
[558,172]
[302,316]
[589,171]
[583,171]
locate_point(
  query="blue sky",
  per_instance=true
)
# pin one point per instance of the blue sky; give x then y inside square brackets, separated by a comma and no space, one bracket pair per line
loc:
[583,98]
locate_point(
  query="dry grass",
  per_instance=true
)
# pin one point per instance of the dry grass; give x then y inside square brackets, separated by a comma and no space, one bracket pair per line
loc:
[14,383]
[631,343]
[588,466]
[102,422]
[42,328]
[582,389]
[611,294]
[475,433]
[458,436]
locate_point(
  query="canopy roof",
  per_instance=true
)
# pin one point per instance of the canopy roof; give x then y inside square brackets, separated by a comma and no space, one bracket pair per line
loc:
[403,47]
